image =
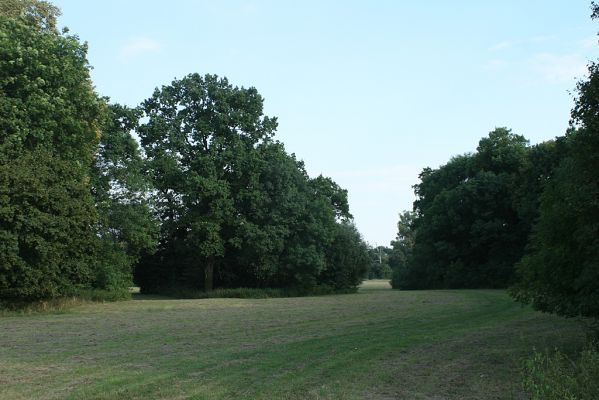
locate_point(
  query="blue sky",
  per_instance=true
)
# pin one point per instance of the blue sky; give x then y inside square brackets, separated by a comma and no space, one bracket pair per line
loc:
[366,92]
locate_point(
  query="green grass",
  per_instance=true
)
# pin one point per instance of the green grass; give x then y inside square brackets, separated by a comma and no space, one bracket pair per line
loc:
[377,344]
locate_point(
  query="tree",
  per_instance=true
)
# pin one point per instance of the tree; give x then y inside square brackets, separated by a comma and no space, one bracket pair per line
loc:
[347,258]
[35,13]
[378,267]
[49,128]
[48,99]
[468,232]
[559,273]
[47,245]
[126,227]
[401,249]
[198,132]
[235,208]
[285,222]
[265,198]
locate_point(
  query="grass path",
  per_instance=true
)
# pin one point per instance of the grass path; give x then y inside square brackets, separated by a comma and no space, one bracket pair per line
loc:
[378,344]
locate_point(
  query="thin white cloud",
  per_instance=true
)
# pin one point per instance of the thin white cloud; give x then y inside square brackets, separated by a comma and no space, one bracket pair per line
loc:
[496,64]
[589,42]
[557,68]
[139,46]
[249,6]
[506,44]
[541,38]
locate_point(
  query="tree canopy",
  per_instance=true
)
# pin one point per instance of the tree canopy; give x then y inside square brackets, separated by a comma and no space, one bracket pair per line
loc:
[50,121]
[467,231]
[559,273]
[190,189]
[235,208]
[209,199]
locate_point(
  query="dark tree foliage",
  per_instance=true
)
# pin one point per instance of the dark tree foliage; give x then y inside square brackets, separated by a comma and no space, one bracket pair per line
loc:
[196,139]
[235,208]
[49,128]
[126,227]
[213,201]
[401,249]
[346,258]
[560,273]
[467,231]
[47,245]
[540,164]
[287,222]
[379,263]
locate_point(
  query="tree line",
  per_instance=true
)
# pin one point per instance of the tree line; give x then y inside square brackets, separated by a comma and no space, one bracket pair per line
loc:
[512,215]
[205,196]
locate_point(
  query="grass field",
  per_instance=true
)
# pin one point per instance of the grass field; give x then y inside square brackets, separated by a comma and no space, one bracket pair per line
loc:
[377,344]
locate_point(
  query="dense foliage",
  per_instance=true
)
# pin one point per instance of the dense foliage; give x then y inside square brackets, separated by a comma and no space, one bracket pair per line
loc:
[401,249]
[513,215]
[126,226]
[37,14]
[212,200]
[235,208]
[473,216]
[560,273]
[49,129]
[467,231]
[379,263]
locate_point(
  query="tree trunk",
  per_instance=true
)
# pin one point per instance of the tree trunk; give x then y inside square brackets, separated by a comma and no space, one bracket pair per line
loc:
[209,275]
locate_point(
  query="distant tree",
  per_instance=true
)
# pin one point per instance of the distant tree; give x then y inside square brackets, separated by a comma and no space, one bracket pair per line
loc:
[379,263]
[50,122]
[347,259]
[401,249]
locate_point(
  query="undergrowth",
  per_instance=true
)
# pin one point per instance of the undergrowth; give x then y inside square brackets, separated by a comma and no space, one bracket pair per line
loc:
[553,375]
[250,293]
[9,307]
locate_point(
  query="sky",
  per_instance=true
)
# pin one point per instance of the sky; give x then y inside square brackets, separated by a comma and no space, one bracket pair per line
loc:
[365,92]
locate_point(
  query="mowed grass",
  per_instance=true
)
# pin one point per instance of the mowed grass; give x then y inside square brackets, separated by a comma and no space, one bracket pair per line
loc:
[377,344]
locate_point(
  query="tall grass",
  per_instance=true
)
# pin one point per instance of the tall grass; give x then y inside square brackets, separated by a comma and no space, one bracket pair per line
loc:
[552,375]
[62,304]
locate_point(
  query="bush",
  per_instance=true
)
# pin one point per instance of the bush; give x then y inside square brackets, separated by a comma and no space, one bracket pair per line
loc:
[554,376]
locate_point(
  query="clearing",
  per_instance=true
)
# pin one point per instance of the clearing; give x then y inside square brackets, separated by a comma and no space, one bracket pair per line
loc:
[377,344]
